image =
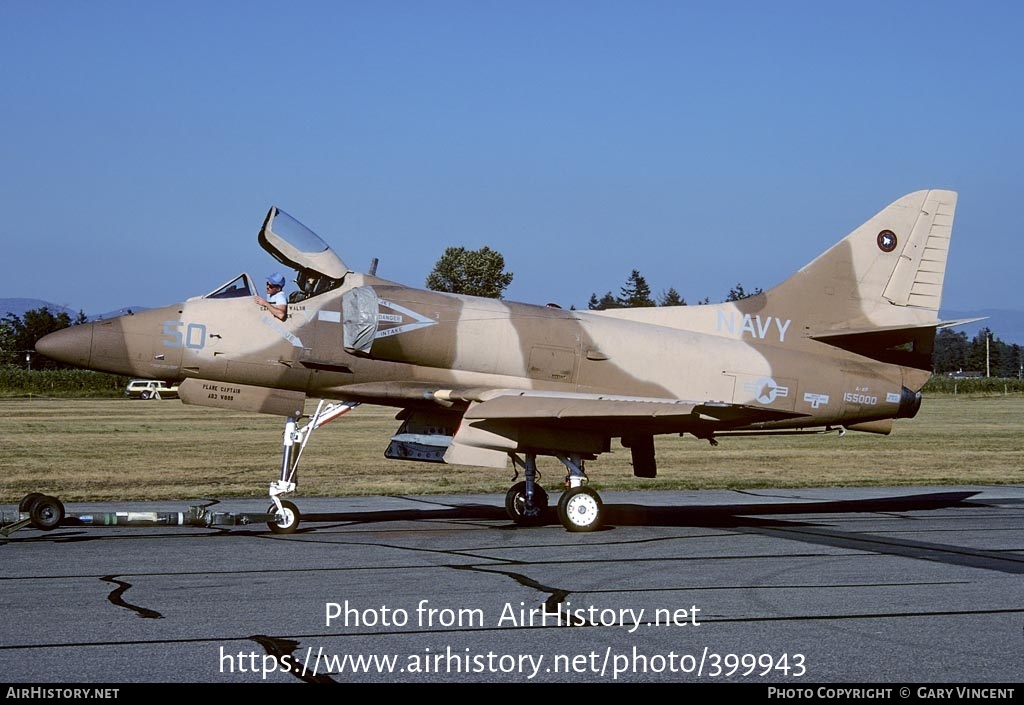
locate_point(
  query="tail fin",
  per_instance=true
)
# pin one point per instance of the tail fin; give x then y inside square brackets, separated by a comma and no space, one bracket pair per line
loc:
[886,274]
[877,292]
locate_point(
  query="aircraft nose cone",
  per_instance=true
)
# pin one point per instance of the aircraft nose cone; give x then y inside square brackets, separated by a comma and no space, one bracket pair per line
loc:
[72,345]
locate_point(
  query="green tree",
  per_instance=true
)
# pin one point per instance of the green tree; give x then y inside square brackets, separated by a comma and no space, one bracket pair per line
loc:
[953,352]
[1014,366]
[471,272]
[950,351]
[671,298]
[987,352]
[636,293]
[18,336]
[976,357]
[738,292]
[604,303]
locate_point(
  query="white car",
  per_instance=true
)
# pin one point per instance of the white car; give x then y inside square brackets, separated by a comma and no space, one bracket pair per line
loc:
[151,389]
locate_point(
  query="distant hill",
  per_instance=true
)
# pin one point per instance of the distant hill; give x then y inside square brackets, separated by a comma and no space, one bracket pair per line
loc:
[19,306]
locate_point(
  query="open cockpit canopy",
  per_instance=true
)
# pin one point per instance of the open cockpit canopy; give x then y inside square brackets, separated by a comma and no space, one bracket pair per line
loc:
[293,244]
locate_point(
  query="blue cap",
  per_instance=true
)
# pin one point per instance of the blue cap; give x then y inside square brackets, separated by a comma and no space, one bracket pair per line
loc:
[276,279]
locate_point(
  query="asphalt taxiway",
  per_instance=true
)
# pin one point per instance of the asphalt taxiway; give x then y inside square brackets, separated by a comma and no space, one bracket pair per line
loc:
[867,585]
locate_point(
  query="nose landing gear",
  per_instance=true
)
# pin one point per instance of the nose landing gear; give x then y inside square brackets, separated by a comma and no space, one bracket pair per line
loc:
[286,514]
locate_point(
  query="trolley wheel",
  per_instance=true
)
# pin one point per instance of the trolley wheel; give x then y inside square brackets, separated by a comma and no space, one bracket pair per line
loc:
[29,500]
[47,513]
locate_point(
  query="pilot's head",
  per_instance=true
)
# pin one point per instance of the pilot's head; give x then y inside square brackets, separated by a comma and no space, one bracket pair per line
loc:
[275,280]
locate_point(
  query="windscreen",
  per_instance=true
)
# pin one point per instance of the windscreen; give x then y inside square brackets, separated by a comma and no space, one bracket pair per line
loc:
[239,286]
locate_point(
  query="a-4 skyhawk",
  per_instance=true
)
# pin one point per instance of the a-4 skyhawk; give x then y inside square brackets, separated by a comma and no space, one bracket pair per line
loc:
[845,343]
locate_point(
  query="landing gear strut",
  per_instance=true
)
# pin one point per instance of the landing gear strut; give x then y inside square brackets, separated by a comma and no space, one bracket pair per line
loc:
[286,514]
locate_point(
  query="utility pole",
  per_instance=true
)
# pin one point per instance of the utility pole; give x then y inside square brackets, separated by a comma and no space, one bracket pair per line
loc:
[987,367]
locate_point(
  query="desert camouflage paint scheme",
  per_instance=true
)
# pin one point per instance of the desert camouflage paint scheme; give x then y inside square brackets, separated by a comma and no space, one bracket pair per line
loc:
[846,342]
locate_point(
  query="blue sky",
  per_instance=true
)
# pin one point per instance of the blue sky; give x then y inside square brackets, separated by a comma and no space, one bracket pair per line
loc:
[703,144]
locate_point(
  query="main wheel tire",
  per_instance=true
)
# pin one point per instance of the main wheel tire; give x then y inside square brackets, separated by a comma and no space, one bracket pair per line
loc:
[287,522]
[144,395]
[47,513]
[29,501]
[580,509]
[515,505]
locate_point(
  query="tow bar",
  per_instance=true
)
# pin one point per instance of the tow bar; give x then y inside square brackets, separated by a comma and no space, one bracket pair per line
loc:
[45,513]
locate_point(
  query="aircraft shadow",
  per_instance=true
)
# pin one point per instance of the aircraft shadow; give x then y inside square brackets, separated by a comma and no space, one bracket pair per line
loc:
[729,515]
[758,518]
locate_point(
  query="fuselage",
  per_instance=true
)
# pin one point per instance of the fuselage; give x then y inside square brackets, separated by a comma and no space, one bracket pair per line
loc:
[428,340]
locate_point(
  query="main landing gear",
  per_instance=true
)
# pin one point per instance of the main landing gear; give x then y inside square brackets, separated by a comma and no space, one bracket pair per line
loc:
[526,503]
[579,507]
[286,514]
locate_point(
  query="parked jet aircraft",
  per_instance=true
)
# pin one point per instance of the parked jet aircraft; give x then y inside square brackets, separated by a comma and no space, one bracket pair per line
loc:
[845,343]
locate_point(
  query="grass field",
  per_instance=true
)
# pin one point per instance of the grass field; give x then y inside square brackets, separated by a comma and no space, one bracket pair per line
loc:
[119,449]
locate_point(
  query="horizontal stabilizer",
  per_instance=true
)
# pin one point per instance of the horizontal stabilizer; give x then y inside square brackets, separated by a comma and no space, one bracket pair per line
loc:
[825,335]
[960,322]
[908,345]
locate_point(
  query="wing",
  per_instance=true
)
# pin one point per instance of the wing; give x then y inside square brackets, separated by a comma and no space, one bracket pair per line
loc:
[506,420]
[495,422]
[617,415]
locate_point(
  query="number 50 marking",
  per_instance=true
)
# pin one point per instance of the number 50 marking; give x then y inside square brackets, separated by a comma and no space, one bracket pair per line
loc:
[193,337]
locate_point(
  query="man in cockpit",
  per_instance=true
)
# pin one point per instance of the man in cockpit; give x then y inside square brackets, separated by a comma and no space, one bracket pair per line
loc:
[276,302]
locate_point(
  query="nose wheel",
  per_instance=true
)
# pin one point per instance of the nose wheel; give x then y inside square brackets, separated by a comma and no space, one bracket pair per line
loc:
[286,519]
